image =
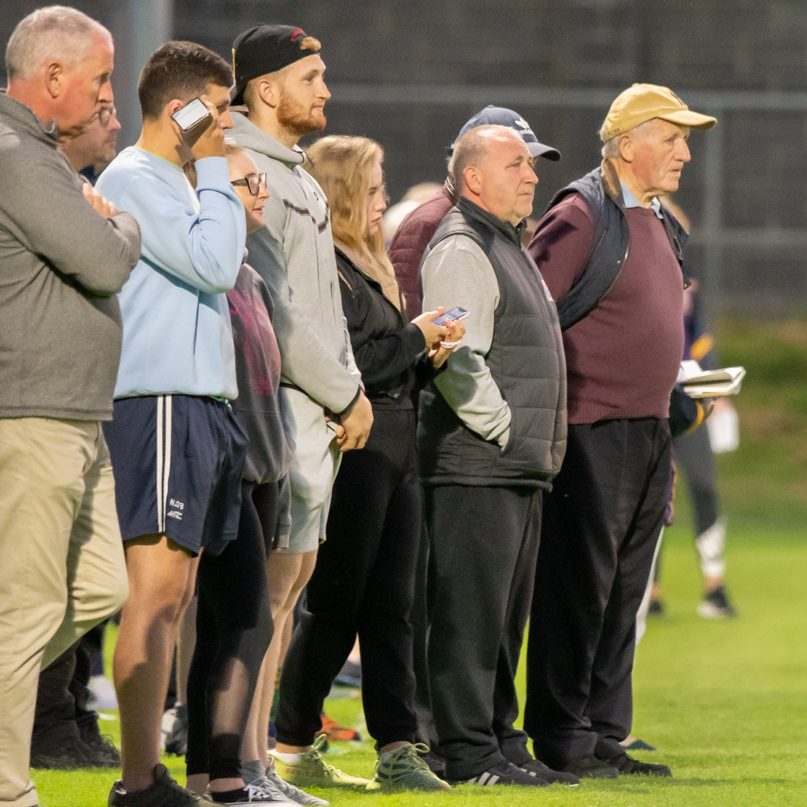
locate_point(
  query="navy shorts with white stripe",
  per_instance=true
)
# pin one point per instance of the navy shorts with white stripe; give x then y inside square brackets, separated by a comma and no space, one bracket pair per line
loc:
[177,461]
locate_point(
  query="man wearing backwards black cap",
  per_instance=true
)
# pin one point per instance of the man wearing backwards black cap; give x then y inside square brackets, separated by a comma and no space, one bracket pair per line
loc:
[611,256]
[416,230]
[279,76]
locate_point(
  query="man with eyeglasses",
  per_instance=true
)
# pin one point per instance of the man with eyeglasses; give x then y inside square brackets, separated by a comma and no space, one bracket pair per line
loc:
[93,151]
[66,732]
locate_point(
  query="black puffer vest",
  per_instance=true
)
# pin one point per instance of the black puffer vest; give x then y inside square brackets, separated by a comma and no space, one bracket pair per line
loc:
[525,360]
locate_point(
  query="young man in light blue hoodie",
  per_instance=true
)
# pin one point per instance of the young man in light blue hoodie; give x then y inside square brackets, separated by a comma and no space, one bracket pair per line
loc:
[176,447]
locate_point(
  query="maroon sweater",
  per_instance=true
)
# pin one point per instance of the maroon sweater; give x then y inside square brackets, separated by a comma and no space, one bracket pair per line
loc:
[410,241]
[622,359]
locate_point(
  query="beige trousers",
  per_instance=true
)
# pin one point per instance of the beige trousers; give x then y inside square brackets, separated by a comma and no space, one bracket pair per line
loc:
[62,568]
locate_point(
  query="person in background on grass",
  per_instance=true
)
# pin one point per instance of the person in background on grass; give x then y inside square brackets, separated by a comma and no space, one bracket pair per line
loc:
[280,78]
[364,578]
[611,255]
[65,254]
[66,733]
[176,445]
[491,438]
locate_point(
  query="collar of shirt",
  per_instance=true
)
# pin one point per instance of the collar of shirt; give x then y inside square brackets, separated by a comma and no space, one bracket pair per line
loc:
[630,200]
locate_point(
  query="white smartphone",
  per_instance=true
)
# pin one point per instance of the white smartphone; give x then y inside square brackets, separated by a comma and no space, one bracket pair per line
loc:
[454,315]
[191,115]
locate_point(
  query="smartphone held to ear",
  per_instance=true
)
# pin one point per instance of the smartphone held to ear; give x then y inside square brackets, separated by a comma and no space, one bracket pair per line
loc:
[453,315]
[191,115]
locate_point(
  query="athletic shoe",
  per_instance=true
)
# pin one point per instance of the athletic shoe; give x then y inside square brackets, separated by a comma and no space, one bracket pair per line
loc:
[313,771]
[656,608]
[165,792]
[504,773]
[627,765]
[71,756]
[590,766]
[271,780]
[716,605]
[176,743]
[534,767]
[250,794]
[349,675]
[639,745]
[435,762]
[333,731]
[403,769]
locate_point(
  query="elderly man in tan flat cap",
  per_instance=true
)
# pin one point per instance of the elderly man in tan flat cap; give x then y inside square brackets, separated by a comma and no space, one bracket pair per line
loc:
[611,255]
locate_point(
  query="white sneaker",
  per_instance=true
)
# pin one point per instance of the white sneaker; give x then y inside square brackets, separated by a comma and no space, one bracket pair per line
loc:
[102,693]
[288,790]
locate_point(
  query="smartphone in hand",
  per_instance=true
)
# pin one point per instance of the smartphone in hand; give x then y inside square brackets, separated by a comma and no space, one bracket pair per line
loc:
[191,115]
[453,315]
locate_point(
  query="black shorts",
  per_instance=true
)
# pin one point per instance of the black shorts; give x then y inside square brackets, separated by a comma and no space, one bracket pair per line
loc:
[177,461]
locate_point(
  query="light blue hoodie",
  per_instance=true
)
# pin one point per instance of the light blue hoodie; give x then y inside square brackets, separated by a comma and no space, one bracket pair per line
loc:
[177,337]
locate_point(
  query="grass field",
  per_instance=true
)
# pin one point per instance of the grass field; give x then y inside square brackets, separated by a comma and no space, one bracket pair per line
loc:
[724,702]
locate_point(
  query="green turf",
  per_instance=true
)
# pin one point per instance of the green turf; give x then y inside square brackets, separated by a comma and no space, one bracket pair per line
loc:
[725,702]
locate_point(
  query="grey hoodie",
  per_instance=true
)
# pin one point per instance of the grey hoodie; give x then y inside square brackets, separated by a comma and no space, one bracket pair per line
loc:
[61,265]
[294,255]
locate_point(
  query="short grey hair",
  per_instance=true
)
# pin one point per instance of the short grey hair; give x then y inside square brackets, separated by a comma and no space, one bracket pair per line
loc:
[472,146]
[610,148]
[58,32]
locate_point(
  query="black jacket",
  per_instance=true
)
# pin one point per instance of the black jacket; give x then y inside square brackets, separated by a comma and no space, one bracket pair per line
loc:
[389,352]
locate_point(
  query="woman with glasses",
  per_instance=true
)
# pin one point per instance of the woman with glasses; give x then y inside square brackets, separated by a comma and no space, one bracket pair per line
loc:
[234,622]
[364,578]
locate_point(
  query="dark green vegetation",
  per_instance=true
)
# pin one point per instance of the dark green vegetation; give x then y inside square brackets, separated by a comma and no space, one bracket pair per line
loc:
[725,702]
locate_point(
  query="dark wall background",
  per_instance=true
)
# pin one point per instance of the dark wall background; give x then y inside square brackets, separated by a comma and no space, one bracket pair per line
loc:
[408,73]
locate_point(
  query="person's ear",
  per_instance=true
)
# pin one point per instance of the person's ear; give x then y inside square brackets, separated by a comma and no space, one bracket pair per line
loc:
[473,179]
[173,106]
[268,90]
[54,79]
[627,148]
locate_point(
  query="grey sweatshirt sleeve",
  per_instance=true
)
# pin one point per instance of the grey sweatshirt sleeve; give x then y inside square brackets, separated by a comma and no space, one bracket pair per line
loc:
[306,362]
[52,218]
[457,272]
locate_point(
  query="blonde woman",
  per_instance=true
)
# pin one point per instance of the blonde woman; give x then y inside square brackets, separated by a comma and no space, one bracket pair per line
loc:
[364,578]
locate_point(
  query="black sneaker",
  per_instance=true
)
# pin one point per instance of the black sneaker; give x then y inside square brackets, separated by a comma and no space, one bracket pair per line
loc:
[627,765]
[716,605]
[99,746]
[656,608]
[590,766]
[534,767]
[165,792]
[435,762]
[504,773]
[72,756]
[176,743]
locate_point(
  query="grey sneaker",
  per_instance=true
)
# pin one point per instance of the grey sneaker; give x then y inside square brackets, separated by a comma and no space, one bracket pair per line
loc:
[403,769]
[165,792]
[176,743]
[288,790]
[253,793]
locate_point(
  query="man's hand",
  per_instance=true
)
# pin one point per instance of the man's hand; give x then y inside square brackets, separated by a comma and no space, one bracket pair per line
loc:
[99,204]
[354,428]
[209,142]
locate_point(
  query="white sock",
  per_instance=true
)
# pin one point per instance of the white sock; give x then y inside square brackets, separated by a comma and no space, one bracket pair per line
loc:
[288,757]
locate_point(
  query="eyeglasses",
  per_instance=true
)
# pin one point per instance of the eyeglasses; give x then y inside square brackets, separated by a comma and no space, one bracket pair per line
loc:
[105,114]
[252,181]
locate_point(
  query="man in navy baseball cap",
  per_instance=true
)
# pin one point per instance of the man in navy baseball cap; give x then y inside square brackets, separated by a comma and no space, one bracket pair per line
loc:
[507,117]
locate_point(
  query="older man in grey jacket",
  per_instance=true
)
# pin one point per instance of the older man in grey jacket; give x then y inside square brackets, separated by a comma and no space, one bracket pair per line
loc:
[64,253]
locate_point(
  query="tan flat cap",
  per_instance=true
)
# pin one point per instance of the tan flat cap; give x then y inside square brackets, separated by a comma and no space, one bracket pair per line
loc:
[643,102]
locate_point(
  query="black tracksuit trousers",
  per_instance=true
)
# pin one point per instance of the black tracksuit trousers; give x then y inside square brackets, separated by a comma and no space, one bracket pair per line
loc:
[601,524]
[364,582]
[483,542]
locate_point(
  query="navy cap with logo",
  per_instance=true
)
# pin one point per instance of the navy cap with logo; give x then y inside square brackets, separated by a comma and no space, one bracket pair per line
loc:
[265,49]
[501,116]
